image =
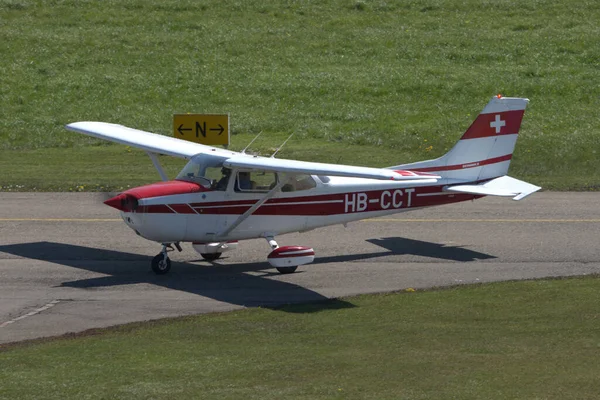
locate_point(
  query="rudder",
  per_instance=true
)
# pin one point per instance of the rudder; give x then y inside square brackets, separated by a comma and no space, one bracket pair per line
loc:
[485,149]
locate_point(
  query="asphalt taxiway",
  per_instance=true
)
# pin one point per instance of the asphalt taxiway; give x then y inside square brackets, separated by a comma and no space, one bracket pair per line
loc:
[68,263]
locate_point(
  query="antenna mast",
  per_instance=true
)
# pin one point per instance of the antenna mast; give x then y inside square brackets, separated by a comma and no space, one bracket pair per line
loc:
[252,141]
[283,144]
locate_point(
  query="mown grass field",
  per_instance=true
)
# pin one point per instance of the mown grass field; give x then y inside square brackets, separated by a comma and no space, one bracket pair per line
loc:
[513,340]
[362,82]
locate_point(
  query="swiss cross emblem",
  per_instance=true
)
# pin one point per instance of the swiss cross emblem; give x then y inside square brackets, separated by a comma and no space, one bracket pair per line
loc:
[497,123]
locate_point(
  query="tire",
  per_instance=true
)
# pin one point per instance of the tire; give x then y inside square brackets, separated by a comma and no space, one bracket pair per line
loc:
[211,256]
[287,270]
[159,266]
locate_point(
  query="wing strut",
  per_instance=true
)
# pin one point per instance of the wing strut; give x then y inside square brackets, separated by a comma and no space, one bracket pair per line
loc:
[255,207]
[157,165]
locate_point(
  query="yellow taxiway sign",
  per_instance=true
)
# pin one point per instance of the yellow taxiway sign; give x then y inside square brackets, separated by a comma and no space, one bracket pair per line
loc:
[209,129]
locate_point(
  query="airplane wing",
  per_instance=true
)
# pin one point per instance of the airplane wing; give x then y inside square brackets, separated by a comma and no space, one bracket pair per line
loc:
[160,144]
[143,140]
[311,168]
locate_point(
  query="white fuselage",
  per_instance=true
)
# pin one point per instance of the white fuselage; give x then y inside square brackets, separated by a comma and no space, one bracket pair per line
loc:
[206,216]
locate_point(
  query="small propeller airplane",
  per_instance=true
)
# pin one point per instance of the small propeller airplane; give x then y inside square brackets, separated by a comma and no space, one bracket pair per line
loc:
[221,197]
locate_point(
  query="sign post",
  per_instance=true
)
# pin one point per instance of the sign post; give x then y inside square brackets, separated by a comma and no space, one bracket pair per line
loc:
[208,129]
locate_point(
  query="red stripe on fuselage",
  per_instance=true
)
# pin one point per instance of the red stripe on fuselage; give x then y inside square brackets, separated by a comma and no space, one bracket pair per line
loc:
[155,209]
[182,208]
[322,197]
[467,165]
[322,205]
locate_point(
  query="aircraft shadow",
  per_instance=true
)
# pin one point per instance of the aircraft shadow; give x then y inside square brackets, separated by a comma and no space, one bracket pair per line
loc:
[398,246]
[223,282]
[226,283]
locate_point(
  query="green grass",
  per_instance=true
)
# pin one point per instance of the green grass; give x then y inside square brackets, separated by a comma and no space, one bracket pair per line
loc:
[388,77]
[514,340]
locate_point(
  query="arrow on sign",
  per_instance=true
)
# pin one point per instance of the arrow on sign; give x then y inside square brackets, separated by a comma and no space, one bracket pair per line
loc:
[181,129]
[220,129]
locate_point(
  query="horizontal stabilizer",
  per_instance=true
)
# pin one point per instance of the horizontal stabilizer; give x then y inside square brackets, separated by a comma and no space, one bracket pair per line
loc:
[502,186]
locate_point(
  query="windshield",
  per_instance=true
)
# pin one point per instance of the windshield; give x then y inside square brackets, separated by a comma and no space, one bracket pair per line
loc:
[202,170]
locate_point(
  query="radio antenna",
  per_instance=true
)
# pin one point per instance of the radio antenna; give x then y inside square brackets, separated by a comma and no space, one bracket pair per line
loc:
[283,144]
[252,141]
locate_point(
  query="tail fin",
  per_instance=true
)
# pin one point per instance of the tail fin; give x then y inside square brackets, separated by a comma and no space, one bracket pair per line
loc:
[485,150]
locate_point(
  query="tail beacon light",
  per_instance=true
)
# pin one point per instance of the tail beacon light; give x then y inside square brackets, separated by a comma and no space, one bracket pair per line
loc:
[291,256]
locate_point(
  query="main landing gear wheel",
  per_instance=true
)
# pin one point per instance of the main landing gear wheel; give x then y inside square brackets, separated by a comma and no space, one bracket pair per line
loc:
[211,256]
[161,264]
[287,270]
[287,259]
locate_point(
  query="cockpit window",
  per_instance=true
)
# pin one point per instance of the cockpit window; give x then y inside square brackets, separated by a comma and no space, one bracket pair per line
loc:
[220,184]
[204,171]
[210,173]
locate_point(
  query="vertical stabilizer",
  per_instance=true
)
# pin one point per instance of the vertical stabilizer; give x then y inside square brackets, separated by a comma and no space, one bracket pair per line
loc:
[485,149]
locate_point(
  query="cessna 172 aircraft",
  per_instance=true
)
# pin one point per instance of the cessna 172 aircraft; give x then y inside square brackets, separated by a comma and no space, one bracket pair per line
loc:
[221,197]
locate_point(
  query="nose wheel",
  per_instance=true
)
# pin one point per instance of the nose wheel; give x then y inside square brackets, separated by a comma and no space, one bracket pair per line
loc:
[161,263]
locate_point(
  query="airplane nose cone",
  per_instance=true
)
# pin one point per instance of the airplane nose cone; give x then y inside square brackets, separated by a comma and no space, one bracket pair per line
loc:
[122,202]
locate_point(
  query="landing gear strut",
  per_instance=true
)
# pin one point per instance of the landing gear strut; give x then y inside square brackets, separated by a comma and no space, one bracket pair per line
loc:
[161,263]
[282,270]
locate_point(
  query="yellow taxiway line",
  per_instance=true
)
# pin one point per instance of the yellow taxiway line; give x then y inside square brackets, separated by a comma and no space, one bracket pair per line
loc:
[477,220]
[494,220]
[60,219]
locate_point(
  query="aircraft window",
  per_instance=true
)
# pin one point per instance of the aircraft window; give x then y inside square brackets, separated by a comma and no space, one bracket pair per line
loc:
[204,172]
[255,181]
[219,177]
[299,182]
